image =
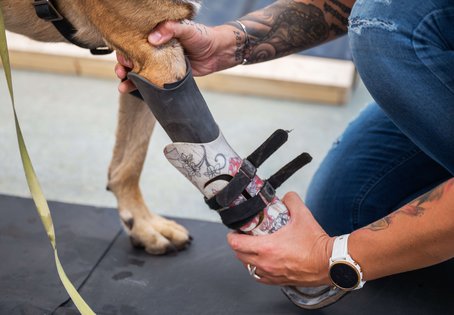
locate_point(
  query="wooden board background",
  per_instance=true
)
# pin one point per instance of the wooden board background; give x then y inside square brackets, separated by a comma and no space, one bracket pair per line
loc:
[296,77]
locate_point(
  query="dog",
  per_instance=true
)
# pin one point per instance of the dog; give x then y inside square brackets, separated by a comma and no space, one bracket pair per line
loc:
[122,26]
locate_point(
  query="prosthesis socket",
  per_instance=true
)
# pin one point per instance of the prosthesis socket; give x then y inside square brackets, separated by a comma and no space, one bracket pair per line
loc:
[229,183]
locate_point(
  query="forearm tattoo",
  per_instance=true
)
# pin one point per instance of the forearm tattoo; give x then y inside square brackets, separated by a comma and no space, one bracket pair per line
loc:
[288,26]
[416,208]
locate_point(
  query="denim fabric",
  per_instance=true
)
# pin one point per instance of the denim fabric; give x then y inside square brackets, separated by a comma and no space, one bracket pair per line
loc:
[404,146]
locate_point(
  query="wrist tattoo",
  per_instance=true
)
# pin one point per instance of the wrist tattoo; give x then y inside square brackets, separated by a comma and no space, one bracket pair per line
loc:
[239,52]
[242,45]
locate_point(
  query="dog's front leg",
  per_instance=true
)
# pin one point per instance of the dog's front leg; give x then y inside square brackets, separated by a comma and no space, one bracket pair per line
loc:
[135,125]
[146,229]
[125,26]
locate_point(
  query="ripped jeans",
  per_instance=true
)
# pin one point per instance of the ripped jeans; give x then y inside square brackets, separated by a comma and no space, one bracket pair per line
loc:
[403,144]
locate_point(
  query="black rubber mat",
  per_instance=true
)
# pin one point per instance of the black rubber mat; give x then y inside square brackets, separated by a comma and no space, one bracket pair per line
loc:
[205,279]
[29,283]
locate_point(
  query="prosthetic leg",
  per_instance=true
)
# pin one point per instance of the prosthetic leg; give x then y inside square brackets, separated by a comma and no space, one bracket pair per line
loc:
[229,183]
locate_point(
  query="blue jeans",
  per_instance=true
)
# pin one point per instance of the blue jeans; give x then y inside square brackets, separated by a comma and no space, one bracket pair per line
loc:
[403,144]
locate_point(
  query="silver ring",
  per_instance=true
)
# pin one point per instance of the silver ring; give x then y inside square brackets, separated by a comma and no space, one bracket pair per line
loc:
[252,269]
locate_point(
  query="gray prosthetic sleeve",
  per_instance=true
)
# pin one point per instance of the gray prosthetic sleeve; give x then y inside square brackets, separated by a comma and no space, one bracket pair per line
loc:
[179,108]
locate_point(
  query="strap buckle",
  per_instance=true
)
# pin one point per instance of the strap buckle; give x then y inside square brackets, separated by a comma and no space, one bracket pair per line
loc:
[47,11]
[248,169]
[267,192]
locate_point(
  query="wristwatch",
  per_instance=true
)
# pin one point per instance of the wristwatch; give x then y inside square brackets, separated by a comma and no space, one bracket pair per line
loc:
[344,272]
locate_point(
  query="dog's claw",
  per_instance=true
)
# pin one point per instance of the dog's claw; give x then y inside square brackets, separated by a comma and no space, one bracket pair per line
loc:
[171,250]
[185,247]
[135,243]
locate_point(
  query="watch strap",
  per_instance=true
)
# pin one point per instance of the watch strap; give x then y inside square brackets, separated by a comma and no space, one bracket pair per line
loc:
[340,247]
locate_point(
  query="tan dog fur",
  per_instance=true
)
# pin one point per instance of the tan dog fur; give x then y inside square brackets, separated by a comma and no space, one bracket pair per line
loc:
[124,26]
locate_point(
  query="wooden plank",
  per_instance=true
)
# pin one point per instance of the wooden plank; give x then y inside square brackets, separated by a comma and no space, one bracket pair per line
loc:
[266,87]
[294,77]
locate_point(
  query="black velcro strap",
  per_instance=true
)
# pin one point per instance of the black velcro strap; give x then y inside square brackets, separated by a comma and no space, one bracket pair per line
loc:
[248,209]
[232,217]
[289,169]
[212,203]
[239,215]
[248,170]
[274,142]
[237,185]
[234,188]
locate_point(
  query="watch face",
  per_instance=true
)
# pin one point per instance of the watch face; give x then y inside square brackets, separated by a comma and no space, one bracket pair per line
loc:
[344,275]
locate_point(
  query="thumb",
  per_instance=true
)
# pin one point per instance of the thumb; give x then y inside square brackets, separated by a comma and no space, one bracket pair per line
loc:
[296,207]
[293,202]
[164,32]
[300,215]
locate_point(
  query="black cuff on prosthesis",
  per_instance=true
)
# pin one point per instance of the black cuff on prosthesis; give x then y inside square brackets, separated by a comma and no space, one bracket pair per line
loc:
[237,216]
[179,107]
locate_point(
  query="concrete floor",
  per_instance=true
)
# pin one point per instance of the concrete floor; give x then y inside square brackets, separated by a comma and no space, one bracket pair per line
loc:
[69,125]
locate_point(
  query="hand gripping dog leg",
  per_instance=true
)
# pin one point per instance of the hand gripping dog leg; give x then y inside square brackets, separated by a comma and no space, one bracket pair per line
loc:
[229,183]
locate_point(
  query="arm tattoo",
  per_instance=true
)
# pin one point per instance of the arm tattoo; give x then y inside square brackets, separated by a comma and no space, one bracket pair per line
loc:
[199,27]
[341,6]
[381,224]
[416,208]
[336,14]
[287,26]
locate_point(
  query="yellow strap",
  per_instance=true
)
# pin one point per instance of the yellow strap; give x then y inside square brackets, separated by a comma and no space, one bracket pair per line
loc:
[33,184]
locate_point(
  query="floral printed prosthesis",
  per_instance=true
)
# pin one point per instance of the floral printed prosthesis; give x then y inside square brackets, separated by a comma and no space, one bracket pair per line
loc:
[216,170]
[211,167]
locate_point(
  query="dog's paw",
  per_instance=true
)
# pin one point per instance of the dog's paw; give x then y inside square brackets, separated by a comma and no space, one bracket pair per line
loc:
[157,235]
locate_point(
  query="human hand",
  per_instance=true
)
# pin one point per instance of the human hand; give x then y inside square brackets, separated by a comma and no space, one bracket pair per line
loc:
[297,254]
[200,43]
[209,49]
[122,68]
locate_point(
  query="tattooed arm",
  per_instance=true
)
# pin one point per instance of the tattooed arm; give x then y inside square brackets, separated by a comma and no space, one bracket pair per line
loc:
[283,28]
[417,235]
[289,26]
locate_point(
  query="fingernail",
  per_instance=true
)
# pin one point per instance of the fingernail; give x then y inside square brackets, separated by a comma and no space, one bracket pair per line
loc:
[128,63]
[154,37]
[124,62]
